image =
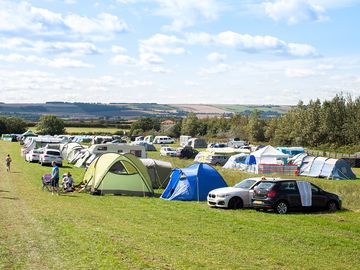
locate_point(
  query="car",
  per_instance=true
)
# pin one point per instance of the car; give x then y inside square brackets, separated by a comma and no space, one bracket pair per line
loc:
[167,151]
[217,145]
[50,155]
[283,195]
[33,155]
[238,196]
[216,159]
[163,140]
[186,152]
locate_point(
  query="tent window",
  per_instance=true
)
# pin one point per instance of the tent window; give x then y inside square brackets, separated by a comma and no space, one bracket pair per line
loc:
[118,168]
[130,168]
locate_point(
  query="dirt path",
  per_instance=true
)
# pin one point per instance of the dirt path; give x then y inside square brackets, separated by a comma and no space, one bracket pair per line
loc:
[21,235]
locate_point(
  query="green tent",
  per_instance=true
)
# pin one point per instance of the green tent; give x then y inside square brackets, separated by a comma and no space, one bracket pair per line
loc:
[118,174]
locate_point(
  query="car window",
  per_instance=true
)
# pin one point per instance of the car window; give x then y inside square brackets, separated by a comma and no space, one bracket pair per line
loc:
[265,185]
[315,189]
[53,153]
[247,183]
[288,186]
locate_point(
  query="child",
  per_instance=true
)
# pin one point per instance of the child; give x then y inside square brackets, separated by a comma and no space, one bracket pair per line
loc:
[8,162]
[67,182]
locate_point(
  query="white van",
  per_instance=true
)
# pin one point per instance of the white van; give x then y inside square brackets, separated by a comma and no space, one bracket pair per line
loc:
[163,140]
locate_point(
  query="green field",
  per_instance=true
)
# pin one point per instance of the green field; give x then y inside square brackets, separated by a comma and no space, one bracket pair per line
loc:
[80,231]
[85,130]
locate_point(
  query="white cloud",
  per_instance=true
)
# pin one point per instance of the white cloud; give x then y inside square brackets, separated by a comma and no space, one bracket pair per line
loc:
[23,18]
[53,47]
[253,44]
[118,49]
[55,63]
[103,23]
[185,13]
[299,72]
[191,83]
[219,68]
[162,44]
[150,58]
[216,57]
[122,59]
[294,11]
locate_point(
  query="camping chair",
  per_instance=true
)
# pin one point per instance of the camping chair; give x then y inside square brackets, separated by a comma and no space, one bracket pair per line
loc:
[46,182]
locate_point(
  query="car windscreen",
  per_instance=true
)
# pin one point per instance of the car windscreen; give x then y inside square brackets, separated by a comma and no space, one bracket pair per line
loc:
[247,183]
[265,185]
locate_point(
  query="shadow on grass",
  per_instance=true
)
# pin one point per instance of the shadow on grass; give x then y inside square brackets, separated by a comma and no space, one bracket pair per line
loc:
[9,198]
[4,190]
[310,211]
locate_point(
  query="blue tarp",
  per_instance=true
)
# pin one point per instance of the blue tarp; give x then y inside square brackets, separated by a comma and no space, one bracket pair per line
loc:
[193,183]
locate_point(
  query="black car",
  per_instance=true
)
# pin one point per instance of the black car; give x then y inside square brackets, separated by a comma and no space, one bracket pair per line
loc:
[284,195]
[186,152]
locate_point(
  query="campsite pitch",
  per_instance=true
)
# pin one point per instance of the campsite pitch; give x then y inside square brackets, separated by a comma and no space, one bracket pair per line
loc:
[80,231]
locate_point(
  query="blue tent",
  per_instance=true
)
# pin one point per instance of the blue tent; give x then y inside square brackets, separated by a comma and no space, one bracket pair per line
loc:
[250,160]
[192,183]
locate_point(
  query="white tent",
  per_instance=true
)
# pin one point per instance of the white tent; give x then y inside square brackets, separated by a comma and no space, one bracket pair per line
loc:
[235,161]
[268,155]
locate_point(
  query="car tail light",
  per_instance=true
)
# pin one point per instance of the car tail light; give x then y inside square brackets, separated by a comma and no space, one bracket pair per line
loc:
[271,194]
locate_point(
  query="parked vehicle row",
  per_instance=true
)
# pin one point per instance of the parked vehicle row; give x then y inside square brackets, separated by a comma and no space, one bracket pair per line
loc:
[279,195]
[44,156]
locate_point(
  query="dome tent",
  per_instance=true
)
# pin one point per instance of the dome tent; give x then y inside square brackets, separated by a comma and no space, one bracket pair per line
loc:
[193,183]
[118,174]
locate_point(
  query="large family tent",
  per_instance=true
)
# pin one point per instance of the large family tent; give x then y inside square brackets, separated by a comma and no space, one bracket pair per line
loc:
[330,168]
[159,171]
[236,161]
[193,183]
[118,174]
[268,155]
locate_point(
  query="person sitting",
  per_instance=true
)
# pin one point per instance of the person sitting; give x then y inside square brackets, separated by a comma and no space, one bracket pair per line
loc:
[68,182]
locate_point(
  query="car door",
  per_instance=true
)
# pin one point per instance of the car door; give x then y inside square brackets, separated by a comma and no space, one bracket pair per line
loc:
[291,192]
[319,199]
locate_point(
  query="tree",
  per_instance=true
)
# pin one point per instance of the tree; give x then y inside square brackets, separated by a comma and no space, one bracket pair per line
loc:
[51,125]
[190,125]
[256,127]
[145,124]
[12,125]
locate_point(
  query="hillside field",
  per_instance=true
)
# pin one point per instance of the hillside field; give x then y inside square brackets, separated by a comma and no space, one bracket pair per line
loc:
[84,130]
[80,231]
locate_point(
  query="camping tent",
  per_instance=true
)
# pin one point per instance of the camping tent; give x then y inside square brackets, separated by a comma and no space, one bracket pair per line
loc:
[197,143]
[118,174]
[327,167]
[268,155]
[193,183]
[235,161]
[159,171]
[291,151]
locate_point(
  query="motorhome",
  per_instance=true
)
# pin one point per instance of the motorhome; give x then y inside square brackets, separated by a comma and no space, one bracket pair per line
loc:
[99,149]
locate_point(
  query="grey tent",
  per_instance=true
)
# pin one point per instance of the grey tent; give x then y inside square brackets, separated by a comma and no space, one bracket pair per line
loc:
[159,171]
[326,168]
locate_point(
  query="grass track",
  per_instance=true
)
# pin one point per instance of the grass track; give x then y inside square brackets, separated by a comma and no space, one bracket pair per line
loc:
[79,231]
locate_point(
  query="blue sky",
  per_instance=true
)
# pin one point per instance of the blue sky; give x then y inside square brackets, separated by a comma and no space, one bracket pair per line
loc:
[179,51]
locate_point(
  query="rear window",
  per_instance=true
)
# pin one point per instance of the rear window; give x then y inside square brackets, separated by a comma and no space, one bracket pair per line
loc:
[247,183]
[53,153]
[265,185]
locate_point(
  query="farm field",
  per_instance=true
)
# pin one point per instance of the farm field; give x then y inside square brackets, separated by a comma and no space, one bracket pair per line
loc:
[83,130]
[80,231]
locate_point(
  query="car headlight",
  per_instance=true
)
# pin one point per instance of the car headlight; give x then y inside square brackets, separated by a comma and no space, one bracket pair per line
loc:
[222,195]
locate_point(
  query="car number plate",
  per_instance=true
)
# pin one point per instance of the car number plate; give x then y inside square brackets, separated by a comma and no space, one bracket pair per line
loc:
[258,202]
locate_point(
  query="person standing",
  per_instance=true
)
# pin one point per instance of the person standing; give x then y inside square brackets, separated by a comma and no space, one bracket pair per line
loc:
[8,163]
[54,178]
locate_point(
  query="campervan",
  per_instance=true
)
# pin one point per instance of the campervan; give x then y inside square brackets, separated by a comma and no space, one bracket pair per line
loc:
[163,140]
[32,143]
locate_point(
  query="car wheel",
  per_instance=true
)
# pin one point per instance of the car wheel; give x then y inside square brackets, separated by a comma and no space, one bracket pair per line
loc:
[235,203]
[332,206]
[281,208]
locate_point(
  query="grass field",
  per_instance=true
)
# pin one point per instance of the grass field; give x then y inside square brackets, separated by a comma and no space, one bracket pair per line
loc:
[80,231]
[84,130]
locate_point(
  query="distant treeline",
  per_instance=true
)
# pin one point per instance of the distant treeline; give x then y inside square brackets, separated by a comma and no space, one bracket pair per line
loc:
[12,125]
[334,122]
